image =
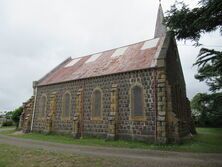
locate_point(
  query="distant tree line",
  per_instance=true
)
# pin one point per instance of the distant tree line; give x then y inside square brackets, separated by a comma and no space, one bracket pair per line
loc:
[12,117]
[207,109]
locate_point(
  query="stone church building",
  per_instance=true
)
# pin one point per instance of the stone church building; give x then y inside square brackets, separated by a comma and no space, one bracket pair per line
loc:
[134,92]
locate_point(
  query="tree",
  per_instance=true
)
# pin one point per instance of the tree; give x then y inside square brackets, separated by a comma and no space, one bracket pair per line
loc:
[207,109]
[8,115]
[16,115]
[190,24]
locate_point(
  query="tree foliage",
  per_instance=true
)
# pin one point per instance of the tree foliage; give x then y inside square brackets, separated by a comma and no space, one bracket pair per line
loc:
[209,64]
[7,118]
[9,114]
[191,24]
[16,115]
[207,109]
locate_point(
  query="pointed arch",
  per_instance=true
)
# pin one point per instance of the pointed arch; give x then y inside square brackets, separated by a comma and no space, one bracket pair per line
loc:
[43,106]
[137,102]
[96,104]
[66,105]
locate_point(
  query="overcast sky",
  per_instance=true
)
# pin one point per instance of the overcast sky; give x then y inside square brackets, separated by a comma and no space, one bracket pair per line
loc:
[37,35]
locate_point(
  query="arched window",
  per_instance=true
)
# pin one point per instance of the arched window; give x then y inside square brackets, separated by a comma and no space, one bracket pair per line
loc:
[97,104]
[66,105]
[137,102]
[43,105]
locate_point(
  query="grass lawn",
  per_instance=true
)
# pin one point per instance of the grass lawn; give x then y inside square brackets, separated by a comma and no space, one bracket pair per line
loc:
[6,127]
[13,156]
[208,140]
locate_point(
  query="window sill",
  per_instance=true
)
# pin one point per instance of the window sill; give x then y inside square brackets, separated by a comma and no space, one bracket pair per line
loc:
[65,119]
[137,118]
[96,119]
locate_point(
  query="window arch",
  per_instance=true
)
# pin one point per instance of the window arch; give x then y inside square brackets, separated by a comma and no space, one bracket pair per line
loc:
[137,102]
[66,105]
[96,104]
[43,105]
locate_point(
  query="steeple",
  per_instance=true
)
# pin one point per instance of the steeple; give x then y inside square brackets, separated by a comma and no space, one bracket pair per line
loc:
[160,29]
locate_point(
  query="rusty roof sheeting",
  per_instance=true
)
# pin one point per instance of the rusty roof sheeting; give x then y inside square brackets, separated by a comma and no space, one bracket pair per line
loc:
[128,58]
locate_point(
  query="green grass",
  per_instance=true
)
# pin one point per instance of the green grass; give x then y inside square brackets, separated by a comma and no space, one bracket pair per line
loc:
[208,140]
[90,141]
[7,131]
[6,127]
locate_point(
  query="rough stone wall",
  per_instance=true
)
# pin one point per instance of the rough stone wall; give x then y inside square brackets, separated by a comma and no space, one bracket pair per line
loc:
[26,116]
[173,109]
[179,117]
[162,102]
[123,126]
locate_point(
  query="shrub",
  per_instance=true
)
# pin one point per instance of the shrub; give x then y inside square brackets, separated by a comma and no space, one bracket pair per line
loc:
[7,123]
[16,115]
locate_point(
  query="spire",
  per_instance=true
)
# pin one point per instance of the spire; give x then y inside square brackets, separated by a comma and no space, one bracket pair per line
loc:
[160,29]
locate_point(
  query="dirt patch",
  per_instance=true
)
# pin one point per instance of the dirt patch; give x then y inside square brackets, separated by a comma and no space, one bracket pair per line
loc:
[18,133]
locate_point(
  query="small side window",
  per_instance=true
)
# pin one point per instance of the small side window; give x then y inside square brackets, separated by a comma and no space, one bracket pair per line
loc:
[43,106]
[66,105]
[96,104]
[137,102]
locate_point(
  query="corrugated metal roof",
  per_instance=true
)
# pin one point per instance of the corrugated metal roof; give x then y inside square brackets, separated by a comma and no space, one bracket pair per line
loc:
[137,56]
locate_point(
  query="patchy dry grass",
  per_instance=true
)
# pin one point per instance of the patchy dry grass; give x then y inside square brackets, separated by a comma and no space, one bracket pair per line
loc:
[11,156]
[14,156]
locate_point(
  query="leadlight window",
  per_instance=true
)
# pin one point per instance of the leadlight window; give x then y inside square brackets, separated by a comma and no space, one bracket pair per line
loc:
[97,104]
[137,101]
[66,105]
[42,105]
